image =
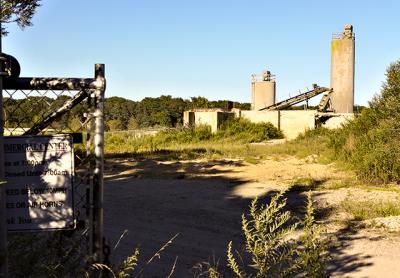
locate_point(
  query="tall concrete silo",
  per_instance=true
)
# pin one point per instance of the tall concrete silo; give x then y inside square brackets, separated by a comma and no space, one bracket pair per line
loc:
[342,70]
[263,91]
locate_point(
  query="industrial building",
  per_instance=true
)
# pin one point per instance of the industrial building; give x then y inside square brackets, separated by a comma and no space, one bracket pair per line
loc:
[335,106]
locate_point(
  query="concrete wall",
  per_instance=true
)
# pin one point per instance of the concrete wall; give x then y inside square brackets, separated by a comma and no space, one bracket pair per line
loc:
[261,116]
[342,71]
[338,120]
[211,118]
[291,122]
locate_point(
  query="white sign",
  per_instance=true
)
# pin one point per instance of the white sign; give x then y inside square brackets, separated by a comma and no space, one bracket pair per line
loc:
[39,175]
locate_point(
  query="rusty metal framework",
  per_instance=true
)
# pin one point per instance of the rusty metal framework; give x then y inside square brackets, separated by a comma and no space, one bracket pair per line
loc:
[44,106]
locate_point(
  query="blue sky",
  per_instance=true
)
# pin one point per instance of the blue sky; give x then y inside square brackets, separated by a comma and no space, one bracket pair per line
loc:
[206,48]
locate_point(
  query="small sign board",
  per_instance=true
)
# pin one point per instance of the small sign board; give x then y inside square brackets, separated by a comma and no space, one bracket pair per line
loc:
[39,189]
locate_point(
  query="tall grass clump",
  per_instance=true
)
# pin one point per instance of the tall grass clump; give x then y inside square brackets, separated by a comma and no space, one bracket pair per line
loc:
[185,135]
[369,209]
[370,143]
[248,132]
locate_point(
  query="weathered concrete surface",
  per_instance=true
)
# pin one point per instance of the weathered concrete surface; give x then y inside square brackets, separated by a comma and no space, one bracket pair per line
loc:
[338,121]
[211,118]
[291,122]
[261,116]
[342,71]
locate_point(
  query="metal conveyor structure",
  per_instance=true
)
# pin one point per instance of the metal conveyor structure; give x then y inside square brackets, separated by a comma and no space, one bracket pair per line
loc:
[323,105]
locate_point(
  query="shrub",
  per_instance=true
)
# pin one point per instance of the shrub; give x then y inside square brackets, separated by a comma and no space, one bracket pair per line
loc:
[248,132]
[273,253]
[369,143]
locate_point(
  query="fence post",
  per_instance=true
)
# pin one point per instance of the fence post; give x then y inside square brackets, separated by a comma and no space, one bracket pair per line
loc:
[97,190]
[3,223]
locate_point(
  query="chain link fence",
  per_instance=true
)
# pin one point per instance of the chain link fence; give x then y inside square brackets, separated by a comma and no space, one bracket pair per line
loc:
[49,106]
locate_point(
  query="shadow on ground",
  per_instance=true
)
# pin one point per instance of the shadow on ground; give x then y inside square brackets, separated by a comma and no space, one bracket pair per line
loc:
[342,262]
[155,199]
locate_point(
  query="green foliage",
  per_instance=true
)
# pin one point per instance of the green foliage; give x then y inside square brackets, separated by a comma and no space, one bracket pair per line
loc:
[241,132]
[46,255]
[200,102]
[248,132]
[128,265]
[121,109]
[313,251]
[124,270]
[163,111]
[20,12]
[368,209]
[114,125]
[265,232]
[132,123]
[312,143]
[303,184]
[369,143]
[273,253]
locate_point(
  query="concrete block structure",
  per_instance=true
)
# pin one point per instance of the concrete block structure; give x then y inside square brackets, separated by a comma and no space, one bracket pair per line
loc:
[290,122]
[342,70]
[211,117]
[263,91]
[337,120]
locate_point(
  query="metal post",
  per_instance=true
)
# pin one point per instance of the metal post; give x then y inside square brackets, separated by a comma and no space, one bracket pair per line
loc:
[3,227]
[97,189]
[279,119]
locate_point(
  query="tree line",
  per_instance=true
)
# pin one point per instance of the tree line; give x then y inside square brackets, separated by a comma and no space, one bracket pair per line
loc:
[165,111]
[120,113]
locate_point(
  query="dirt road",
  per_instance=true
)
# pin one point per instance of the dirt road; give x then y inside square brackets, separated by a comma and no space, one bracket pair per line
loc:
[202,202]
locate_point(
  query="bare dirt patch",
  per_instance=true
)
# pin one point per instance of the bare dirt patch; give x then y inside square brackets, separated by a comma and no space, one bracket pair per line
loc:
[203,202]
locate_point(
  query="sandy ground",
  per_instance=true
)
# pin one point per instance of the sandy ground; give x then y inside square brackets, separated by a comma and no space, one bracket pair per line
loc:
[202,202]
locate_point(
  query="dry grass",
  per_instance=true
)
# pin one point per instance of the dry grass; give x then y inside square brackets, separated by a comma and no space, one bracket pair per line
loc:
[369,209]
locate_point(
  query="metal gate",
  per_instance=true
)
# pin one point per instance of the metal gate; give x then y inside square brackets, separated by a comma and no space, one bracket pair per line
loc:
[45,106]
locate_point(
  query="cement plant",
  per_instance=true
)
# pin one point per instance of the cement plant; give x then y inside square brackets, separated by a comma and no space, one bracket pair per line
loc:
[335,106]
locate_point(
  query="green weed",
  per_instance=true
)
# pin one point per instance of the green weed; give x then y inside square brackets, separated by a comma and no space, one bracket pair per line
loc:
[303,184]
[368,209]
[267,231]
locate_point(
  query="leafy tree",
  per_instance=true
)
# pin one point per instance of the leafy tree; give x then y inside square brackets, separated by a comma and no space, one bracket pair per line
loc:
[200,102]
[20,12]
[133,123]
[121,109]
[114,125]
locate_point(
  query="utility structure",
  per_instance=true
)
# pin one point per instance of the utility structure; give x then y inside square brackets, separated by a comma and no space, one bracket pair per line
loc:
[263,90]
[303,97]
[342,70]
